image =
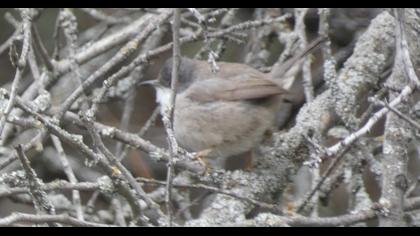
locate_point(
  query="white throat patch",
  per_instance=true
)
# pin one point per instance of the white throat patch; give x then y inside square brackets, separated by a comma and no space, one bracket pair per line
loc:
[163,97]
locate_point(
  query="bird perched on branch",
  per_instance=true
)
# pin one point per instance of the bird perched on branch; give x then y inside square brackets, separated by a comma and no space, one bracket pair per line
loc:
[225,113]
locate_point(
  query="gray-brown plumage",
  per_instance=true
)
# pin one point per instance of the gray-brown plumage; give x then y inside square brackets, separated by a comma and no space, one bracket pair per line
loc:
[227,112]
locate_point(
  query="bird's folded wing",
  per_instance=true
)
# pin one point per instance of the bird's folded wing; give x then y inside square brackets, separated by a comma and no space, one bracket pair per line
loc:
[233,89]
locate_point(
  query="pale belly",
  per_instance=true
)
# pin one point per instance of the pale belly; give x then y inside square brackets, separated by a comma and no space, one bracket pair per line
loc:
[228,128]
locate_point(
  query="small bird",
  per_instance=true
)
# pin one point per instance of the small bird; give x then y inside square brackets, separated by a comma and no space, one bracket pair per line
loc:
[225,113]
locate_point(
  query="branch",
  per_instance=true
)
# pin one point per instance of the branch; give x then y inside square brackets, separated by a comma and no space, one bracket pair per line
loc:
[77,142]
[121,55]
[397,135]
[261,204]
[39,197]
[397,112]
[306,69]
[20,66]
[49,219]
[53,186]
[168,112]
[118,169]
[70,175]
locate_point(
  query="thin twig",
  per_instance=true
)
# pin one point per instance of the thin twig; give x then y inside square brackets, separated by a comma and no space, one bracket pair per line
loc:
[49,219]
[304,221]
[101,16]
[323,178]
[90,205]
[9,41]
[39,197]
[52,186]
[126,117]
[264,205]
[121,55]
[70,175]
[168,112]
[409,70]
[330,73]
[331,151]
[40,48]
[397,112]
[306,68]
[366,114]
[143,130]
[20,66]
[33,143]
[68,23]
[118,212]
[412,204]
[106,43]
[33,64]
[117,168]
[76,141]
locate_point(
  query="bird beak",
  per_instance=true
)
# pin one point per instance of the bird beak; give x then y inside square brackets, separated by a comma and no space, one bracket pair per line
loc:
[153,83]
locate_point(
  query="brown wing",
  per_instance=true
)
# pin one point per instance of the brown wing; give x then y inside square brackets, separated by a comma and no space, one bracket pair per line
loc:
[232,89]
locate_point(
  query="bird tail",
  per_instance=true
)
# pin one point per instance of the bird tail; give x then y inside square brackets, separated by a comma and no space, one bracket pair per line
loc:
[283,70]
